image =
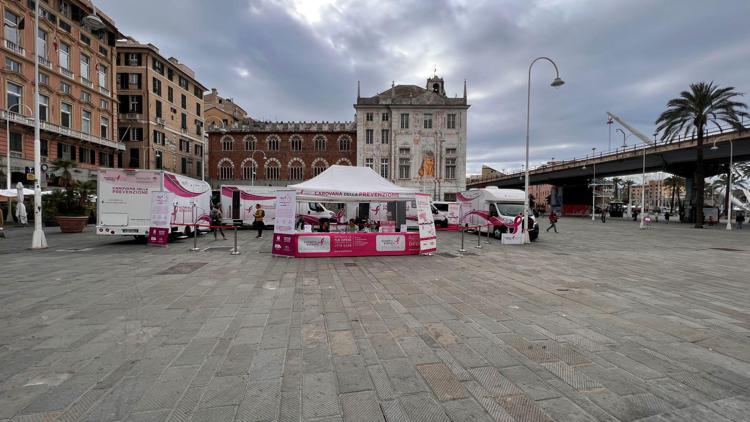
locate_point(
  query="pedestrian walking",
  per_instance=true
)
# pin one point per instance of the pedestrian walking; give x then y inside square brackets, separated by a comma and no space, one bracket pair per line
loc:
[216,221]
[604,215]
[259,215]
[666,217]
[552,221]
[740,218]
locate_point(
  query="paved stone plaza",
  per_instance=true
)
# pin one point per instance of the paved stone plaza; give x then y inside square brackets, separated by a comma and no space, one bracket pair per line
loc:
[599,322]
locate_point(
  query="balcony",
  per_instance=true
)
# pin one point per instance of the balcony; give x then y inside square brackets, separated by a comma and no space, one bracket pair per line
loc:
[86,82]
[104,91]
[10,45]
[65,72]
[60,130]
[44,62]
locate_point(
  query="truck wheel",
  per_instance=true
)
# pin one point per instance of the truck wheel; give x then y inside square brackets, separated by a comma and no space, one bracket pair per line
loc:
[188,231]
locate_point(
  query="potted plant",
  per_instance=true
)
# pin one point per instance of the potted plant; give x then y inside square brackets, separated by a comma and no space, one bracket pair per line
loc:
[70,206]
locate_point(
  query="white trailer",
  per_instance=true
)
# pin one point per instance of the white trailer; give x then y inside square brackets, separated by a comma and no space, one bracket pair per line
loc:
[124,201]
[494,209]
[238,206]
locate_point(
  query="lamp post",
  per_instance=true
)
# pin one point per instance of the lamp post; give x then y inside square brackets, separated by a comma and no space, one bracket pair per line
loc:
[643,188]
[729,183]
[623,136]
[7,140]
[252,175]
[609,123]
[557,82]
[593,188]
[38,240]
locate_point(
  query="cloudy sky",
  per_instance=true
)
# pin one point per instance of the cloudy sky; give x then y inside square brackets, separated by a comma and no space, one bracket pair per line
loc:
[301,60]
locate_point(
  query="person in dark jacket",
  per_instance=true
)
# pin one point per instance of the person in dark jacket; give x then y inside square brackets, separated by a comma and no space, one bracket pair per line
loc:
[552,221]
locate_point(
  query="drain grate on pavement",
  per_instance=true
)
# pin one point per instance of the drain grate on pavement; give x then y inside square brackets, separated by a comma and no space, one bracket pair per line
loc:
[185,268]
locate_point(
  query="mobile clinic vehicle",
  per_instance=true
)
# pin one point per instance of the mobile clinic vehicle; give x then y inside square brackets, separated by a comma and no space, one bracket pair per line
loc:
[124,201]
[441,220]
[238,206]
[494,207]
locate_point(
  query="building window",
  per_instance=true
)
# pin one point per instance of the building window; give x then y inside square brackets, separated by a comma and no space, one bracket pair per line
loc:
[273,170]
[106,160]
[104,104]
[226,170]
[296,171]
[183,83]
[86,96]
[450,168]
[295,143]
[368,117]
[183,101]
[102,75]
[134,59]
[248,170]
[385,117]
[16,142]
[159,160]
[428,120]
[368,136]
[369,163]
[66,114]
[85,60]
[159,138]
[158,110]
[170,74]
[135,158]
[384,168]
[197,109]
[170,94]
[63,56]
[43,108]
[404,151]
[385,136]
[11,28]
[65,88]
[450,151]
[227,143]
[134,81]
[345,143]
[250,143]
[319,166]
[157,66]
[14,97]
[156,86]
[273,143]
[404,120]
[183,121]
[183,165]
[104,127]
[86,121]
[451,121]
[320,143]
[12,65]
[43,79]
[404,168]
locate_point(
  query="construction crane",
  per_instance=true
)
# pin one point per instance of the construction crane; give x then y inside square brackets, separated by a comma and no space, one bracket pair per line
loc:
[631,129]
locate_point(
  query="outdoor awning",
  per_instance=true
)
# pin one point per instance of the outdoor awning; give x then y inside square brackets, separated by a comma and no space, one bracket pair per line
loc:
[351,184]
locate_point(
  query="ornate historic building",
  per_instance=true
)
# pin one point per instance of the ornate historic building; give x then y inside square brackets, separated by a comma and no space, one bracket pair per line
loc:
[415,137]
[278,153]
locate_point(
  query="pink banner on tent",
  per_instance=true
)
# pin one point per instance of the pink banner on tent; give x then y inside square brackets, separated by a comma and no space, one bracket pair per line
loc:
[315,245]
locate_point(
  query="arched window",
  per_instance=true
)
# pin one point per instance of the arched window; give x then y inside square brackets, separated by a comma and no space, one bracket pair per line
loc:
[319,166]
[227,143]
[226,169]
[249,143]
[273,143]
[345,143]
[273,169]
[249,169]
[295,142]
[320,143]
[344,162]
[296,169]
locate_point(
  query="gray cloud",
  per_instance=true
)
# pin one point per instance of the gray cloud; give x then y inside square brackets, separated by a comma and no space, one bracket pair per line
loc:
[300,60]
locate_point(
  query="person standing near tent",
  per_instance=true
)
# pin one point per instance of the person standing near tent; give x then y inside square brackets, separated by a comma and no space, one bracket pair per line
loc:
[216,217]
[259,215]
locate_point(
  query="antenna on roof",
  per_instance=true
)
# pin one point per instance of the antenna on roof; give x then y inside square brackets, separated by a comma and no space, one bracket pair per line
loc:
[357,89]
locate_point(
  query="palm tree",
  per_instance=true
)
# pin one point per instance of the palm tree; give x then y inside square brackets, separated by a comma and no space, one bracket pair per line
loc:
[694,110]
[616,181]
[628,183]
[675,183]
[66,178]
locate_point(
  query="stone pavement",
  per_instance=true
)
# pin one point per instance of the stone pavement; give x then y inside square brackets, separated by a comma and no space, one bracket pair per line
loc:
[599,322]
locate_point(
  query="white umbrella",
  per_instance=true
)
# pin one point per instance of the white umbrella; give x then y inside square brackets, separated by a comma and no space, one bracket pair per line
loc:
[19,189]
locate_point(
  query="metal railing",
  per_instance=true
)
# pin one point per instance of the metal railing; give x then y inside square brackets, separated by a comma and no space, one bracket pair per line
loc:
[60,130]
[65,72]
[87,82]
[44,62]
[105,91]
[615,153]
[10,45]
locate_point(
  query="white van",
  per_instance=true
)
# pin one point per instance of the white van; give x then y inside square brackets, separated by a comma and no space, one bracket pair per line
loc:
[441,220]
[124,201]
[238,206]
[495,209]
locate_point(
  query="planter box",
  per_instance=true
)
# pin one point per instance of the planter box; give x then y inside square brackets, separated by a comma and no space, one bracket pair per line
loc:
[72,224]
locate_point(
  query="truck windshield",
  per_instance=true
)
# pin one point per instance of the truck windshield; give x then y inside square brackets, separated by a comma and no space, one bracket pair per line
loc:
[509,209]
[314,206]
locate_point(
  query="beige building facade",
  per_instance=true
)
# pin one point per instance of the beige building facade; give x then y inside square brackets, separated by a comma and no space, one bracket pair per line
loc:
[161,111]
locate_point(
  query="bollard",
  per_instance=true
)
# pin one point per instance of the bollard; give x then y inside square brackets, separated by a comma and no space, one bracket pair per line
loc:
[235,251]
[463,230]
[479,237]
[488,235]
[195,232]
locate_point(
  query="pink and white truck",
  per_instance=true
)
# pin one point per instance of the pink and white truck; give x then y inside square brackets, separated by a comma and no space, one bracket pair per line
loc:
[124,201]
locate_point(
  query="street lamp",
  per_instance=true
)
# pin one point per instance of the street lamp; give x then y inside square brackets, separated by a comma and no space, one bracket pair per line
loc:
[7,140]
[252,174]
[593,188]
[643,187]
[729,183]
[38,240]
[623,136]
[556,83]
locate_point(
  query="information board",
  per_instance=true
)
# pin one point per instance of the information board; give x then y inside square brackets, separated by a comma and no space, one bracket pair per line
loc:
[161,218]
[427,236]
